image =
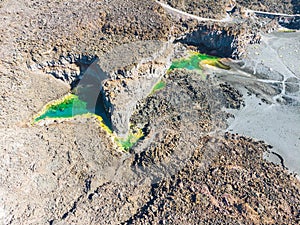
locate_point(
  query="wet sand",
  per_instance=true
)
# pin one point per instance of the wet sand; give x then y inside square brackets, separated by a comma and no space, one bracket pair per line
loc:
[268,78]
[277,125]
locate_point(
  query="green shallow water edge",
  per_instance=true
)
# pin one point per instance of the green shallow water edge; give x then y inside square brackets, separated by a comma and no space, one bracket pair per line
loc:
[67,107]
[70,106]
[158,86]
[196,61]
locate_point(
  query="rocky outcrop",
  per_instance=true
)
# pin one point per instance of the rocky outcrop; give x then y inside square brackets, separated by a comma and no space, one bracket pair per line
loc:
[69,69]
[212,41]
[122,77]
[133,78]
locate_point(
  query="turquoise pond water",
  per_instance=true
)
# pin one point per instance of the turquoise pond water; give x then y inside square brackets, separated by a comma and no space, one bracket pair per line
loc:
[196,62]
[68,107]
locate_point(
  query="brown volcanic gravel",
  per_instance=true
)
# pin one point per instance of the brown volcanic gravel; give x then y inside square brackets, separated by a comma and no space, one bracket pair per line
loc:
[236,186]
[204,8]
[217,9]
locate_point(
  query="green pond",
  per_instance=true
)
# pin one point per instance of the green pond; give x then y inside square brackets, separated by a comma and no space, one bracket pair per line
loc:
[71,105]
[158,86]
[68,107]
[196,61]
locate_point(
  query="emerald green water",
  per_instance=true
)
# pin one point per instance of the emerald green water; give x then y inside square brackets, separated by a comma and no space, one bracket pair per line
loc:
[158,86]
[194,62]
[128,142]
[69,107]
[72,106]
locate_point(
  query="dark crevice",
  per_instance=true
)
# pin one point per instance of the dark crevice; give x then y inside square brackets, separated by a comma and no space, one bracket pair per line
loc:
[102,109]
[90,90]
[143,210]
[290,22]
[88,182]
[83,62]
[73,208]
[280,158]
[212,42]
[96,191]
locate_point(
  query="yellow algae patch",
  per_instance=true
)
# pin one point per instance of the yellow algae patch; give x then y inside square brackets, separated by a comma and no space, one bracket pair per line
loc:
[102,124]
[215,63]
[128,142]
